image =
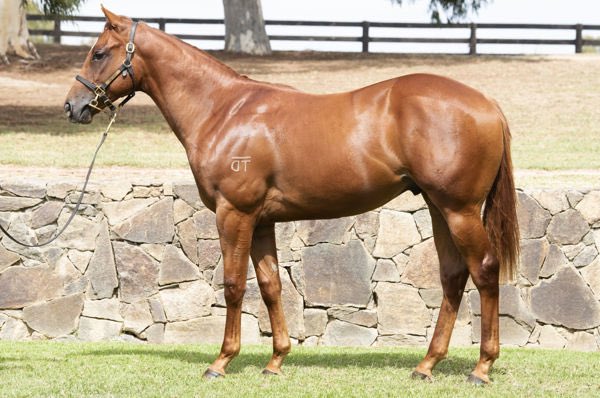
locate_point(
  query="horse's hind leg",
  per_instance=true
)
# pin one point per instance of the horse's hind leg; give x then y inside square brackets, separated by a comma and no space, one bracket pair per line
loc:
[473,243]
[453,275]
[264,257]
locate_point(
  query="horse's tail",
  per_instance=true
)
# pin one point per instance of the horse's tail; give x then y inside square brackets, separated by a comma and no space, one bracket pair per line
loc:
[500,213]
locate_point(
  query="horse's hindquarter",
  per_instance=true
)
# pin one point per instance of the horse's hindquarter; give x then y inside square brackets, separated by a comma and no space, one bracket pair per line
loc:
[450,136]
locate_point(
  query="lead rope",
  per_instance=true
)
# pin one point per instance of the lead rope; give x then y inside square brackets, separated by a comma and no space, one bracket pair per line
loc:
[87,178]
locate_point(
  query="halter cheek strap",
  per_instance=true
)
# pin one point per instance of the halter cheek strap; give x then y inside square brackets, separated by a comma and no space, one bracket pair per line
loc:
[101,100]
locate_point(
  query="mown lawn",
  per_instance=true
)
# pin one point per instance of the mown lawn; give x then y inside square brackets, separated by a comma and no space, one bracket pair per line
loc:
[43,369]
[42,136]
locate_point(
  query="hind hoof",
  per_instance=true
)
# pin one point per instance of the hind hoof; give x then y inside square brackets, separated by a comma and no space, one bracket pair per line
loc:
[212,375]
[268,372]
[477,381]
[421,376]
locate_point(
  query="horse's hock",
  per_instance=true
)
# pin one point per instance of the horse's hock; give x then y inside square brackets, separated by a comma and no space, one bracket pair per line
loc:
[142,262]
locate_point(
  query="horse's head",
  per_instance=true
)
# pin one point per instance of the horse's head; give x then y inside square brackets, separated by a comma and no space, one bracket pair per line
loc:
[107,73]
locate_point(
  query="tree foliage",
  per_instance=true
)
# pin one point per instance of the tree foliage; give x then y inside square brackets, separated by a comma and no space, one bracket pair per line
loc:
[56,7]
[453,10]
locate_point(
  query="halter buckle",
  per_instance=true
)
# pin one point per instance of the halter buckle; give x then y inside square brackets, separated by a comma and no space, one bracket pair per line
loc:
[99,91]
[130,48]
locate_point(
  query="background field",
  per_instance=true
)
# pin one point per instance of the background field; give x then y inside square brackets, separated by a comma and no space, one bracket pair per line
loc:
[115,369]
[551,102]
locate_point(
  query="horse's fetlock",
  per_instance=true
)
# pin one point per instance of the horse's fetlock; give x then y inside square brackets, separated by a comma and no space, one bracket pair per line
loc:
[231,351]
[282,349]
[440,355]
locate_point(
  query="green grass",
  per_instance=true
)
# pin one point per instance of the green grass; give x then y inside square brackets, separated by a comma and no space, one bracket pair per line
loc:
[123,147]
[43,137]
[560,150]
[127,370]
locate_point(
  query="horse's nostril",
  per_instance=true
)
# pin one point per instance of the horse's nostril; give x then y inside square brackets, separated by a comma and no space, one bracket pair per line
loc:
[68,109]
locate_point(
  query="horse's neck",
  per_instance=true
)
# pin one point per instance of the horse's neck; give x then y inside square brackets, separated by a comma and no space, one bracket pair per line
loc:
[187,85]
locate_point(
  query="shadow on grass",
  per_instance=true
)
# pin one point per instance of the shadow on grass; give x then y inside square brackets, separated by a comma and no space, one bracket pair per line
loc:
[302,358]
[52,120]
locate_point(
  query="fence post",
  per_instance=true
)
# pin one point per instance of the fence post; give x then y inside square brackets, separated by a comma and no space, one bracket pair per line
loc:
[473,40]
[56,34]
[578,38]
[365,37]
[161,24]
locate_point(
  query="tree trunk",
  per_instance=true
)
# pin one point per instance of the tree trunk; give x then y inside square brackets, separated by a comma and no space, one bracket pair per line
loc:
[14,34]
[245,27]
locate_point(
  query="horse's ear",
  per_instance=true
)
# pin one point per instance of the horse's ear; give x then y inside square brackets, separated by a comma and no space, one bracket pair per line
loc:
[114,21]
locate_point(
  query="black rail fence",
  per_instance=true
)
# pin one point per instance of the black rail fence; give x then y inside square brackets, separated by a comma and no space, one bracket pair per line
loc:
[471,39]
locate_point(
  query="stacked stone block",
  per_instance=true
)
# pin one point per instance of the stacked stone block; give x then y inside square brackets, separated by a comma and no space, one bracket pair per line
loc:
[141,262]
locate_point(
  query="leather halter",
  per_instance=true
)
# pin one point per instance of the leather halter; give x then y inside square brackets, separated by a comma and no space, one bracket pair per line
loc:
[101,100]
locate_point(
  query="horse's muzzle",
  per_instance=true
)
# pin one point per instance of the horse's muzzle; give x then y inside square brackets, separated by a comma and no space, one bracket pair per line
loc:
[82,115]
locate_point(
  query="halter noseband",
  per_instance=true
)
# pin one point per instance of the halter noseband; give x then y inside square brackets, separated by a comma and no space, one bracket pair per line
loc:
[125,69]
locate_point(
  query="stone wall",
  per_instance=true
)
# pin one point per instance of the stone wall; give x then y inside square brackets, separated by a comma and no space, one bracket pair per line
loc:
[142,263]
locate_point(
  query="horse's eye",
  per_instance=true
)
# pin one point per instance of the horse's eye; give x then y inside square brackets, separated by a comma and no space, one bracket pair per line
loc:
[98,55]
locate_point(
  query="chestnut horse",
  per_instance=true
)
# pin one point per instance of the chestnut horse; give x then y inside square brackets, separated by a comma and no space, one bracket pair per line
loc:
[263,153]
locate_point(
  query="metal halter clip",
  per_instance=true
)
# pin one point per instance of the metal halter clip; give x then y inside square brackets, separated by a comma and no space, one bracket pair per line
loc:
[94,104]
[130,48]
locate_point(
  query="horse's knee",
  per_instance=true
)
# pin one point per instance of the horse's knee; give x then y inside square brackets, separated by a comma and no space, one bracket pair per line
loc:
[234,290]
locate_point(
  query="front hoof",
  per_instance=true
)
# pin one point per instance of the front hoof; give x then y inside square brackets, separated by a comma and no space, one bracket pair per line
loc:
[477,381]
[421,376]
[268,372]
[212,375]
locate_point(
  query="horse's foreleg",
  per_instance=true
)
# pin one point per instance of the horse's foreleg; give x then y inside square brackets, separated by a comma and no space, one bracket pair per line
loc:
[235,233]
[472,241]
[264,257]
[454,274]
